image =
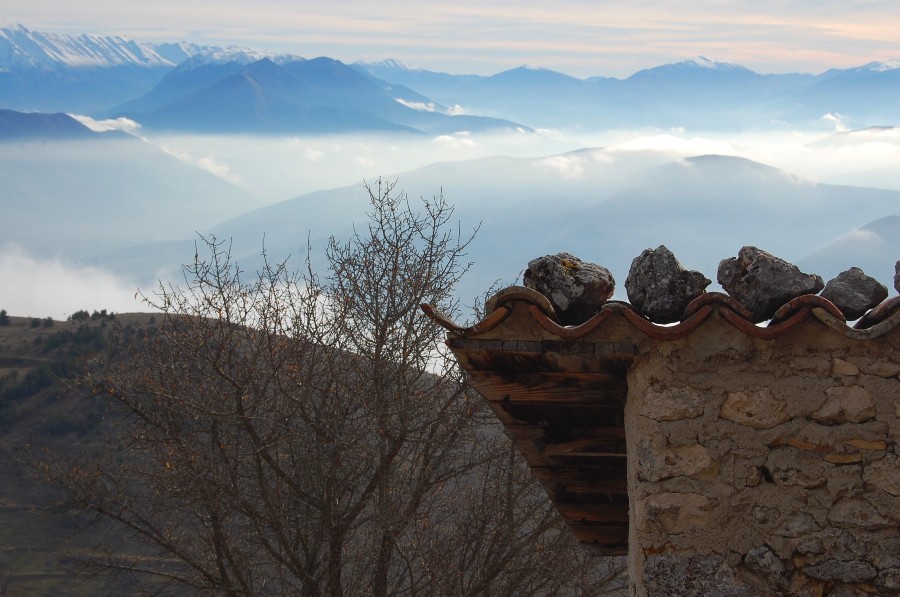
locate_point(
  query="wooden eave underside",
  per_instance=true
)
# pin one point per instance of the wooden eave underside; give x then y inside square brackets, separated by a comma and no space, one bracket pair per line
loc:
[564,410]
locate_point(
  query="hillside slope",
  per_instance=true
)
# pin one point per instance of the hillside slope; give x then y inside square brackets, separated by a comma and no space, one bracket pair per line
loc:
[42,543]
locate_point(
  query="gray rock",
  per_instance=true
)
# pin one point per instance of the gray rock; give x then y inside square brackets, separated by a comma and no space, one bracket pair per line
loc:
[889,579]
[667,575]
[576,289]
[897,276]
[852,571]
[851,590]
[660,288]
[765,564]
[854,293]
[763,283]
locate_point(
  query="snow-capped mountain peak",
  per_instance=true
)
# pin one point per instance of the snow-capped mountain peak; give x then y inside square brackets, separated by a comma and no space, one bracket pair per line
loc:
[234,54]
[881,67]
[393,63]
[242,55]
[705,62]
[710,63]
[178,52]
[389,63]
[22,48]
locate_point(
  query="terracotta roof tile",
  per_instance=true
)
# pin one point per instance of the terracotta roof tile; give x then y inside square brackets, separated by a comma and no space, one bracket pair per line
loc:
[877,322]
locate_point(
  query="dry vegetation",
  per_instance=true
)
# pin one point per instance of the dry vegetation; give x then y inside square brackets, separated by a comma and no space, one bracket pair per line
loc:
[40,544]
[287,434]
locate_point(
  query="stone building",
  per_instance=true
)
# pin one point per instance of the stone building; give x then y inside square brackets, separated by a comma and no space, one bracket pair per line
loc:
[722,456]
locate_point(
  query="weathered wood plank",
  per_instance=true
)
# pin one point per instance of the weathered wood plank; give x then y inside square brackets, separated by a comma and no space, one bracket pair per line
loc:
[560,480]
[562,405]
[607,539]
[591,512]
[604,552]
[555,417]
[589,447]
[483,360]
[551,388]
[559,435]
[518,355]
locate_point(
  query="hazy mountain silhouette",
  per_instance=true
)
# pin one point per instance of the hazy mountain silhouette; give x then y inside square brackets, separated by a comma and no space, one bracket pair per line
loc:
[310,96]
[81,197]
[439,86]
[700,93]
[74,73]
[874,248]
[618,204]
[190,76]
[261,97]
[865,96]
[35,125]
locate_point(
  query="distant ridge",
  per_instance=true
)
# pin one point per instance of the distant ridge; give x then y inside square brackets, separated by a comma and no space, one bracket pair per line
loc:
[700,93]
[704,208]
[19,125]
[53,72]
[22,48]
[874,248]
[70,191]
[92,74]
[318,96]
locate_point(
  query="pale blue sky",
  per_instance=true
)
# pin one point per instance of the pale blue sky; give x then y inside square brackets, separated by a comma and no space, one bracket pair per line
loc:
[579,37]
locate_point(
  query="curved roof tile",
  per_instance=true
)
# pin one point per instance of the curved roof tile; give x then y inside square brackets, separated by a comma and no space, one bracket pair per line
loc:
[877,322]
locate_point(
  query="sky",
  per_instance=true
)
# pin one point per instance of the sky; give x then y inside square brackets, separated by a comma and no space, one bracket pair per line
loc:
[579,37]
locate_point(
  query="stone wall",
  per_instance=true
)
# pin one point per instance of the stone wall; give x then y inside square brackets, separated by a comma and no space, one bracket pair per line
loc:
[761,460]
[762,467]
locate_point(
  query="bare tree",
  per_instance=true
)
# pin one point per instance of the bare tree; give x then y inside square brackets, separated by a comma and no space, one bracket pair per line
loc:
[298,434]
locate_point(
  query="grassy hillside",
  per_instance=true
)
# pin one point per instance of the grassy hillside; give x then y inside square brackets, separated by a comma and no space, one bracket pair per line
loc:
[41,544]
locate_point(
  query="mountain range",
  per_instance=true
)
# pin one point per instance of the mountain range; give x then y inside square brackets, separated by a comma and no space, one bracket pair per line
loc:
[37,125]
[189,88]
[315,96]
[700,94]
[79,73]
[183,86]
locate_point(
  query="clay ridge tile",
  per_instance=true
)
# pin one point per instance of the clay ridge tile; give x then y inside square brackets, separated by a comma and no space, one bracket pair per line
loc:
[875,323]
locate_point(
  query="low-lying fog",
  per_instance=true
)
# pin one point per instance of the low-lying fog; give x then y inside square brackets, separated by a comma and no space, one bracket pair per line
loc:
[281,168]
[54,268]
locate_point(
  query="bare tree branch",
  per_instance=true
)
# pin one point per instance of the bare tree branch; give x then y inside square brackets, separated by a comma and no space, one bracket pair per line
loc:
[295,434]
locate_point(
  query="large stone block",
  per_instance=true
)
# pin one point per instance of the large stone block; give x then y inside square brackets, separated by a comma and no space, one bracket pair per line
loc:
[576,289]
[673,513]
[759,409]
[796,468]
[845,404]
[884,474]
[667,575]
[857,512]
[660,288]
[763,283]
[854,293]
[853,571]
[765,565]
[797,525]
[672,404]
[660,463]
